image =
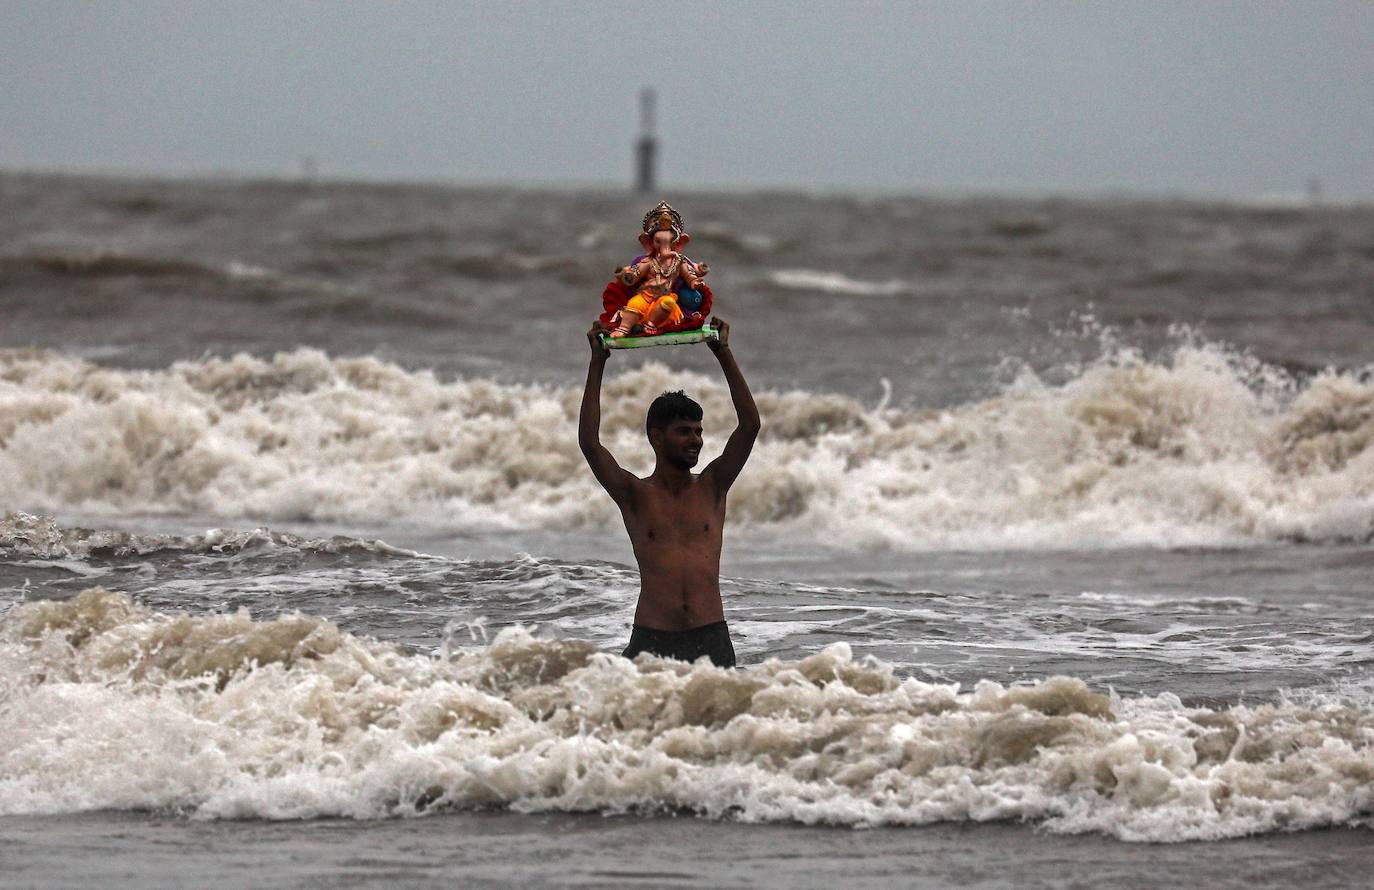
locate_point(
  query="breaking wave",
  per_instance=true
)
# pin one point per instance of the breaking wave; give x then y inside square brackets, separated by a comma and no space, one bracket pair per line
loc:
[1204,447]
[24,536]
[105,704]
[835,283]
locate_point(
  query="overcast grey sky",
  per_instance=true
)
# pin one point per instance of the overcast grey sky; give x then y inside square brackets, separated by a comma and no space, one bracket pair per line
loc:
[1232,98]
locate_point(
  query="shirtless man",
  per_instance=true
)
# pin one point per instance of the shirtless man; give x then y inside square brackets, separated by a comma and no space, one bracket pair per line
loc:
[674,518]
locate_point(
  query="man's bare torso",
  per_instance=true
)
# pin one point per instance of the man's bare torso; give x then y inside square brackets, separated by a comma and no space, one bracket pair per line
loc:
[675,519]
[676,536]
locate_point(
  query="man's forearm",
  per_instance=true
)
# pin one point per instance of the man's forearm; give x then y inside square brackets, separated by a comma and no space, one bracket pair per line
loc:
[589,418]
[745,409]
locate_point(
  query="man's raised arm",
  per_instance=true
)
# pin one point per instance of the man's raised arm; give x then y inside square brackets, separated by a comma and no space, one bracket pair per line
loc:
[615,479]
[725,468]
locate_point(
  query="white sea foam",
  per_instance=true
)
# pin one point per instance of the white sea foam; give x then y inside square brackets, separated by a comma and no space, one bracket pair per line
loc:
[247,271]
[1205,448]
[108,705]
[835,283]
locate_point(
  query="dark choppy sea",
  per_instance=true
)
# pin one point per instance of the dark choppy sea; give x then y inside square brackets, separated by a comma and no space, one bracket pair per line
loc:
[1060,533]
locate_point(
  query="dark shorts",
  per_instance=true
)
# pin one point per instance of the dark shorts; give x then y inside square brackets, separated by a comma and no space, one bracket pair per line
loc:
[712,640]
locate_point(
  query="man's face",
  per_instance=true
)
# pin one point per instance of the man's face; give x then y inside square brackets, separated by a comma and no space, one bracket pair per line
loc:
[681,443]
[663,242]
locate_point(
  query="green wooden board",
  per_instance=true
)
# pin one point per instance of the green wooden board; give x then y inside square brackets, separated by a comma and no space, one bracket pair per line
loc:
[676,338]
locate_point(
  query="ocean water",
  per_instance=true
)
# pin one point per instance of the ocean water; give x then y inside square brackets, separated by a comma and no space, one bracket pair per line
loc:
[1059,536]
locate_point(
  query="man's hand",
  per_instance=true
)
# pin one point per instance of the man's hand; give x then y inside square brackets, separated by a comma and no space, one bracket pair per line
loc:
[599,349]
[722,340]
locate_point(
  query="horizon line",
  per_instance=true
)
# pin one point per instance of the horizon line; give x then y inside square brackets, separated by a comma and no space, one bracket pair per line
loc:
[1294,199]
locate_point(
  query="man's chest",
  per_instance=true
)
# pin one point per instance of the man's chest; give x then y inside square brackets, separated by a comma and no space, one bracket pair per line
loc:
[685,515]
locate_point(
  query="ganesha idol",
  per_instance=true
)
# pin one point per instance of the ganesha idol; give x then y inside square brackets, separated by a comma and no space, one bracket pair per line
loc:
[662,290]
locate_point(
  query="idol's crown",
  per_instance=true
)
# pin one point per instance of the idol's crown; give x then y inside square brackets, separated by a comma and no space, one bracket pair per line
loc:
[663,218]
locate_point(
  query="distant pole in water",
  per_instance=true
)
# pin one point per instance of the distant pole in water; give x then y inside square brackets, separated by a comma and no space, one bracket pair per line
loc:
[1314,192]
[647,147]
[310,168]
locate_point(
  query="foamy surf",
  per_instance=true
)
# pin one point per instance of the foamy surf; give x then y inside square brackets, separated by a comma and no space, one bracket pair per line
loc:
[109,705]
[1202,448]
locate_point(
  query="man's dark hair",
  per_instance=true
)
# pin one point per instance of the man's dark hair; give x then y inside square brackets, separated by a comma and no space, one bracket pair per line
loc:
[668,407]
